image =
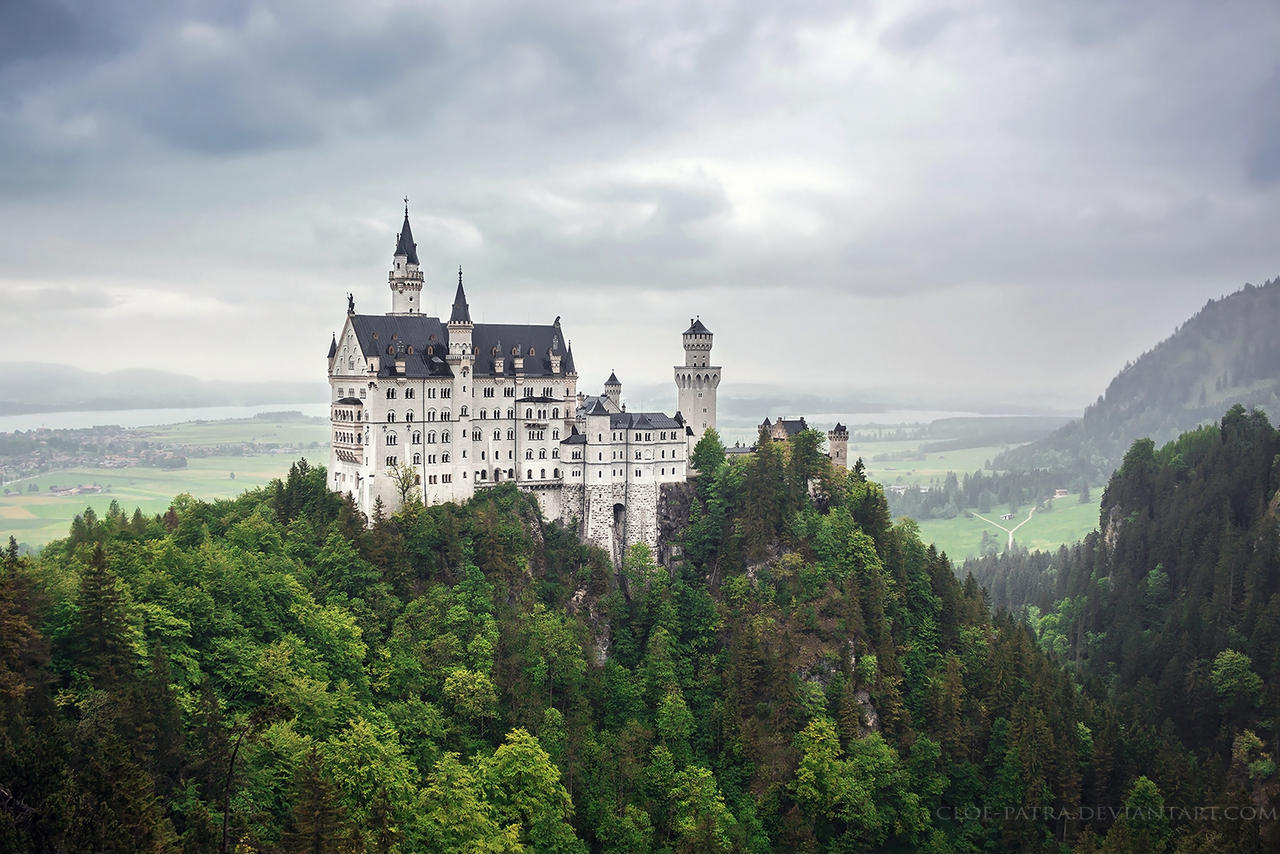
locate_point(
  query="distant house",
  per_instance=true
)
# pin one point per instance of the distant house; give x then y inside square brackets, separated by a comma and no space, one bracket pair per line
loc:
[739,450]
[1059,493]
[1006,517]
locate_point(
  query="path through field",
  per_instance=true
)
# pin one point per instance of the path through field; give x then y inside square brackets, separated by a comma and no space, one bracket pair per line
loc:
[1009,531]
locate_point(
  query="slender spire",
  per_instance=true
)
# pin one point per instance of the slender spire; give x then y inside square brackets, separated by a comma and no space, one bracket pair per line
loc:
[333,346]
[404,243]
[461,312]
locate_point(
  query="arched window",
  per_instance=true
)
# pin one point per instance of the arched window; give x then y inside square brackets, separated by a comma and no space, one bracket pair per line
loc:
[391,439]
[484,474]
[497,413]
[417,459]
[444,458]
[462,413]
[391,394]
[444,437]
[445,416]
[555,434]
[555,472]
[528,454]
[555,412]
[542,453]
[497,475]
[555,453]
[543,474]
[511,413]
[431,415]
[528,414]
[409,394]
[511,434]
[530,474]
[497,435]
[417,438]
[408,416]
[483,414]
[391,416]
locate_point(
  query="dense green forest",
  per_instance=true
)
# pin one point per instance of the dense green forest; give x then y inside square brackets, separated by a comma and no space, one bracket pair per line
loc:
[269,674]
[1227,353]
[1172,609]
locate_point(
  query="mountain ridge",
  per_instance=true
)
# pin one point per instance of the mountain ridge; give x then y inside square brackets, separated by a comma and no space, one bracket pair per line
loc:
[33,387]
[1227,353]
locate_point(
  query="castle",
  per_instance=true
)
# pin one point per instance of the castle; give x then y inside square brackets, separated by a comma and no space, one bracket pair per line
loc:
[443,408]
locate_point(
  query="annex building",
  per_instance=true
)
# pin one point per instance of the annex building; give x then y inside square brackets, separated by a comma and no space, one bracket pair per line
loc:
[451,407]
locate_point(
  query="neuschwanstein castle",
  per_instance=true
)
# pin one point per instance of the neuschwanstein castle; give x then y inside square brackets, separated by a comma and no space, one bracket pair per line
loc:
[461,406]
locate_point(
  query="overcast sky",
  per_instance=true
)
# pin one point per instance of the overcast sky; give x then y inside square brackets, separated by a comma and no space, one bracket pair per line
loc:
[1004,200]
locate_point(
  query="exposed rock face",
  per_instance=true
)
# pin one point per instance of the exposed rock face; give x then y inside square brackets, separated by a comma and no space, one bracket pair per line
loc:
[674,503]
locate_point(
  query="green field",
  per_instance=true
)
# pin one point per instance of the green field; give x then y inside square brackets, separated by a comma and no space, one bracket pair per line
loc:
[35,518]
[961,537]
[1067,523]
[296,432]
[919,469]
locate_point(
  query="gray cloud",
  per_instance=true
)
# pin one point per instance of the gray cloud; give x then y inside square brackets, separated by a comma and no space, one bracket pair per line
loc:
[912,171]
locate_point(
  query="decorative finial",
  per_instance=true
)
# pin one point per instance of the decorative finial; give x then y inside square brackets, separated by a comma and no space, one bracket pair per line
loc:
[406,206]
[460,275]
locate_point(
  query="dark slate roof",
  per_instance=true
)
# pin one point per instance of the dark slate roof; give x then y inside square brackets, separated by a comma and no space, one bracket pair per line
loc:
[642,421]
[401,331]
[404,243]
[594,407]
[696,327]
[351,401]
[839,428]
[461,312]
[486,337]
[793,425]
[390,335]
[575,438]
[613,379]
[333,347]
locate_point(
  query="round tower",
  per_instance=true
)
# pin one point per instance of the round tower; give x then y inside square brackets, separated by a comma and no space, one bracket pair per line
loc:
[696,381]
[838,443]
[405,279]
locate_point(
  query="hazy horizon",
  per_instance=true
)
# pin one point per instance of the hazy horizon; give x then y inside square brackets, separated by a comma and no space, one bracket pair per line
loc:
[1000,203]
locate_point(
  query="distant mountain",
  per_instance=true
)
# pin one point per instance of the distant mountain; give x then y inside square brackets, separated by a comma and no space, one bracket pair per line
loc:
[41,387]
[1228,353]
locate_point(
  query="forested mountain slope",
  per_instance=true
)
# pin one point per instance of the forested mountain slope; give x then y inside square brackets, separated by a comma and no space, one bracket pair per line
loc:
[1172,609]
[1227,353]
[266,674]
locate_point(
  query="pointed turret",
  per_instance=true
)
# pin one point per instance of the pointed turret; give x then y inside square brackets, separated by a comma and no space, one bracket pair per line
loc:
[461,311]
[613,390]
[404,243]
[333,346]
[405,278]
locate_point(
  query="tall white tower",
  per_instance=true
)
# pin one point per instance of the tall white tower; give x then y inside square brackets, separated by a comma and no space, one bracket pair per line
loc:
[696,382]
[405,278]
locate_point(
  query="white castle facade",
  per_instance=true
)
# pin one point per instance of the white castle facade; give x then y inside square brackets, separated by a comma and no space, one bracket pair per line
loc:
[453,407]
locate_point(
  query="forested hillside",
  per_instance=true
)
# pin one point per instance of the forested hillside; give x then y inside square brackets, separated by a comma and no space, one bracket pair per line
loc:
[266,674]
[1172,610]
[1227,353]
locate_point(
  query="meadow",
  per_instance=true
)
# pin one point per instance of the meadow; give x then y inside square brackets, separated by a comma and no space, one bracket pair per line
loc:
[1067,523]
[35,518]
[902,462]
